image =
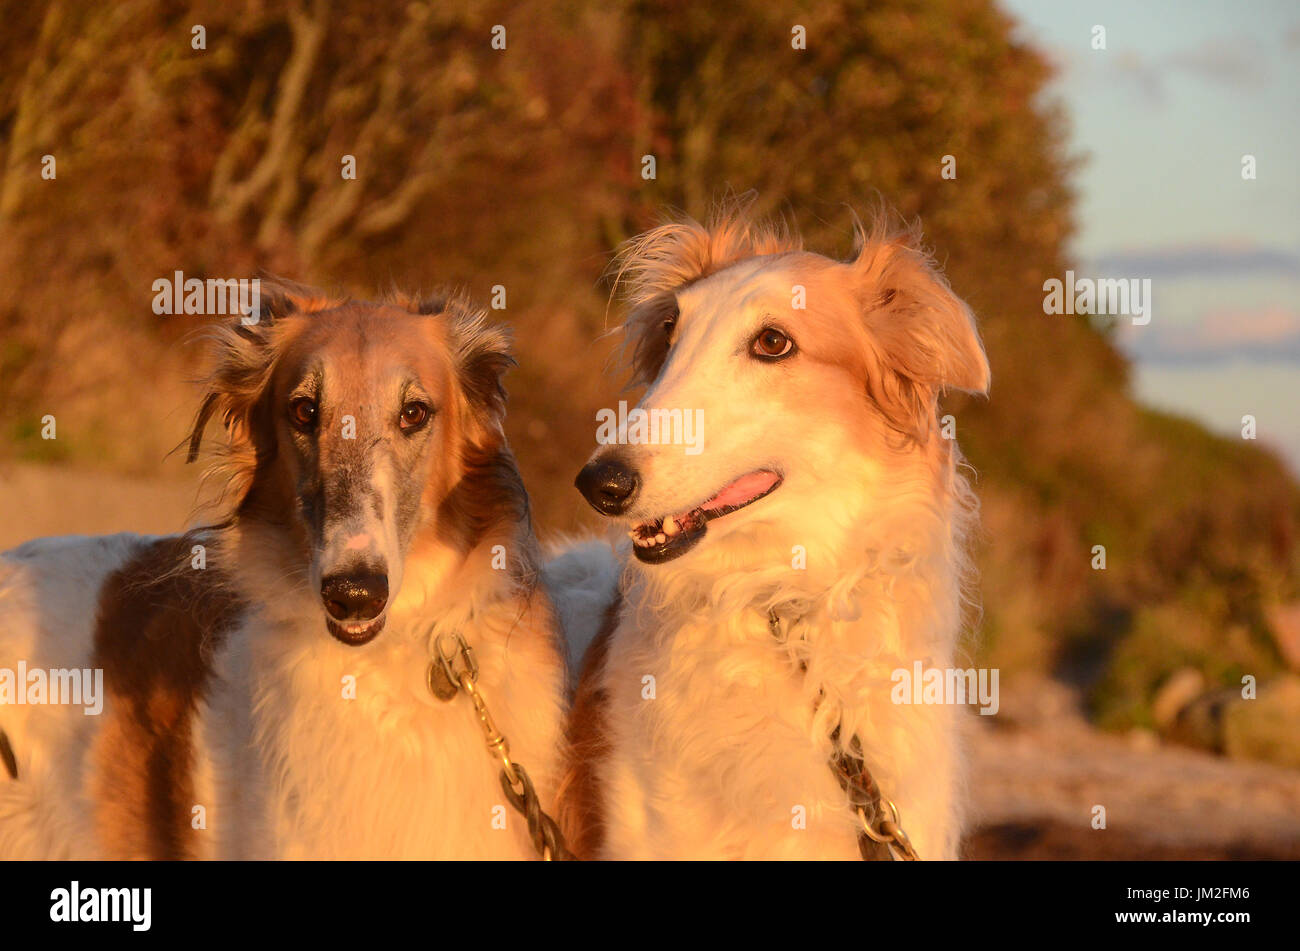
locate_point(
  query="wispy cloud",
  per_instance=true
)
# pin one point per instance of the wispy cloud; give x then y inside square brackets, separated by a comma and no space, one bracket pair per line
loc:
[1202,260]
[1268,333]
[1238,63]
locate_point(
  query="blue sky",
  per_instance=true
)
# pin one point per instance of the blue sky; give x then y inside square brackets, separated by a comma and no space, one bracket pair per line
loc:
[1162,118]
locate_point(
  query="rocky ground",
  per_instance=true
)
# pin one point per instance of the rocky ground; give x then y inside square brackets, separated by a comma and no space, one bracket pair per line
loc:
[1038,768]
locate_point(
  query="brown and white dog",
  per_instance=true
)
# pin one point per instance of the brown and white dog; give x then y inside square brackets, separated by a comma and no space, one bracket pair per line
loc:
[822,490]
[264,689]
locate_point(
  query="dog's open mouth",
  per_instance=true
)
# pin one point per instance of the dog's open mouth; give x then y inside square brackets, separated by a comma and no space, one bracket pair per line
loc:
[356,633]
[663,539]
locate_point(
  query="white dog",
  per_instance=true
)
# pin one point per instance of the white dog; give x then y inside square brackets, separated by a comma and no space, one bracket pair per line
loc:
[779,575]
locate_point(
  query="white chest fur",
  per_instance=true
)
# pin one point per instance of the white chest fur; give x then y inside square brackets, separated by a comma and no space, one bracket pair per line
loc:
[716,754]
[318,750]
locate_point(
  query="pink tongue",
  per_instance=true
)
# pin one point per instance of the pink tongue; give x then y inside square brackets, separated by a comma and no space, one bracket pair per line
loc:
[744,489]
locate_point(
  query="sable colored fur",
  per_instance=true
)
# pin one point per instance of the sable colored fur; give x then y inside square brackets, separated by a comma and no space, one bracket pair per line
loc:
[265,674]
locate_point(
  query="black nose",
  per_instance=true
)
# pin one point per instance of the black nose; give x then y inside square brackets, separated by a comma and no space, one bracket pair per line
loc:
[354,597]
[608,485]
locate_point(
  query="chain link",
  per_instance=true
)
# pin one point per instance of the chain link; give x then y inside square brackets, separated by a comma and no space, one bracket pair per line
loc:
[880,829]
[881,835]
[515,782]
[877,816]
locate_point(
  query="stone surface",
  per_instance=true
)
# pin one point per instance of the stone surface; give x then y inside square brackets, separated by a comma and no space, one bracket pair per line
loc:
[1036,776]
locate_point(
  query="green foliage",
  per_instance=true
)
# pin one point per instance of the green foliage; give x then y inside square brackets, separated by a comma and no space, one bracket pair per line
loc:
[1197,631]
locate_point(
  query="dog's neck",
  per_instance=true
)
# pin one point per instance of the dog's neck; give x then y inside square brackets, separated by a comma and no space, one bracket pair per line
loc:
[879,574]
[450,591]
[844,625]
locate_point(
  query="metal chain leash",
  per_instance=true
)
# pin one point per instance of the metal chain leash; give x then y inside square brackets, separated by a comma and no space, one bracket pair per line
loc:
[880,835]
[445,680]
[878,826]
[880,832]
[7,756]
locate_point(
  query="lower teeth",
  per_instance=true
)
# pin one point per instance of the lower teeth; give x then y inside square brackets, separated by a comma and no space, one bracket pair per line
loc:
[657,533]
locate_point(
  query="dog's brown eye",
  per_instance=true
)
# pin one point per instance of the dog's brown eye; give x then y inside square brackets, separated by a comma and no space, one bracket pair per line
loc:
[771,344]
[413,416]
[303,413]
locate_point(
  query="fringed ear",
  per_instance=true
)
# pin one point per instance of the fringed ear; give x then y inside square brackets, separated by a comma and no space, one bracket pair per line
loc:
[923,336]
[243,357]
[652,267]
[280,298]
[206,409]
[647,330]
[489,491]
[483,355]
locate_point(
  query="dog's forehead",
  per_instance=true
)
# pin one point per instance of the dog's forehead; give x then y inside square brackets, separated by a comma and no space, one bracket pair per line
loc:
[734,284]
[769,285]
[364,346]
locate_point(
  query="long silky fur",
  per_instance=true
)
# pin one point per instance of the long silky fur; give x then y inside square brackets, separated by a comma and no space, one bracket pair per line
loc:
[903,588]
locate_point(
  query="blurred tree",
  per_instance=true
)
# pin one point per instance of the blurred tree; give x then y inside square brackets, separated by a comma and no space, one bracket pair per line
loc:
[521,167]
